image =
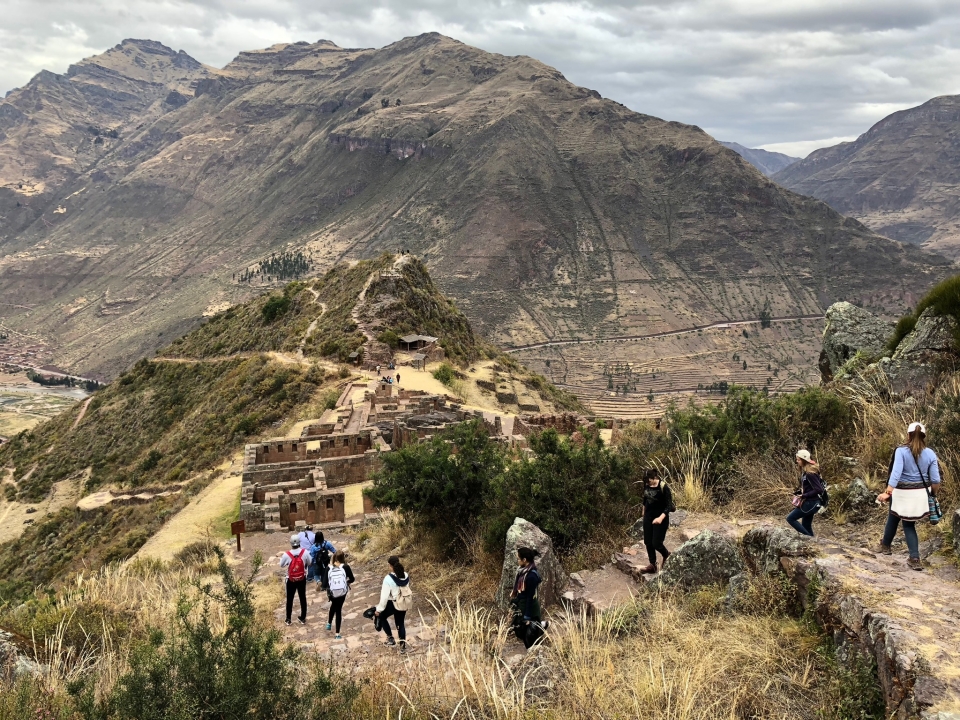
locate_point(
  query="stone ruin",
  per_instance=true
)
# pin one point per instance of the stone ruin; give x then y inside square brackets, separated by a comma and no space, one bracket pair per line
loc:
[291,482]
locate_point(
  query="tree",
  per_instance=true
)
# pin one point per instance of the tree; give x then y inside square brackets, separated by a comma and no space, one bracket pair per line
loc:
[766,316]
[444,482]
[570,488]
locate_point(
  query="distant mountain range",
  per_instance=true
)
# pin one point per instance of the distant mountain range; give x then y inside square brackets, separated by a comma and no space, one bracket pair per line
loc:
[763,160]
[901,178]
[140,190]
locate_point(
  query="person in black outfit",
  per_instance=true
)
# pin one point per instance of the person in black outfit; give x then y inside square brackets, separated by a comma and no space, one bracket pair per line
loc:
[657,506]
[527,624]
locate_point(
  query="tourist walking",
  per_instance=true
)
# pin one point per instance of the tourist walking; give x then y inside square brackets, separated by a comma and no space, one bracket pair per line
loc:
[339,579]
[398,378]
[396,597]
[527,625]
[806,500]
[307,539]
[914,480]
[322,551]
[657,506]
[296,560]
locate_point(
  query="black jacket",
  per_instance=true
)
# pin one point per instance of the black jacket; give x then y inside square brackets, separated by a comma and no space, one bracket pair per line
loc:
[656,502]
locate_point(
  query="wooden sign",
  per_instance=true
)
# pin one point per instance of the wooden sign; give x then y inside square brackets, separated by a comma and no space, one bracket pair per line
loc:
[237,528]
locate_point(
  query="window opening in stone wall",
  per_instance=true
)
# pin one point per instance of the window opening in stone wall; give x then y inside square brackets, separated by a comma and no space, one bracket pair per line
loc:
[329,504]
[293,507]
[311,506]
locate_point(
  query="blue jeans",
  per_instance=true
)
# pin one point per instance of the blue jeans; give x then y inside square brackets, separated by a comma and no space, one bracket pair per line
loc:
[801,518]
[909,533]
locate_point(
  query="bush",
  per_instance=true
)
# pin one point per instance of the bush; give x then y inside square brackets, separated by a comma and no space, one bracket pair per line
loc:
[389,337]
[445,374]
[570,488]
[276,306]
[443,482]
[196,670]
[943,299]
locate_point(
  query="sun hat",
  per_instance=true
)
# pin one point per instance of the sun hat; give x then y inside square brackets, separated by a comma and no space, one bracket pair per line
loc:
[916,426]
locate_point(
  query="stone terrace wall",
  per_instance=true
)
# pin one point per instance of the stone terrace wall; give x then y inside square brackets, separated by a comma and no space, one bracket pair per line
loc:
[351,470]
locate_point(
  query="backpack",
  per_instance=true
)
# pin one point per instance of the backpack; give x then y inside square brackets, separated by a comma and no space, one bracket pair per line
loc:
[297,571]
[337,582]
[404,599]
[322,555]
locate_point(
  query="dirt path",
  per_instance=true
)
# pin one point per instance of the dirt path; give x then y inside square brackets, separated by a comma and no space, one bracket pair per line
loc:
[666,333]
[83,411]
[206,515]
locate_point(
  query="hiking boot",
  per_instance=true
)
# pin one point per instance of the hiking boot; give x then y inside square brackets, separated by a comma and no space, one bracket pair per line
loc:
[403,647]
[338,637]
[915,563]
[328,626]
[648,570]
[882,549]
[389,642]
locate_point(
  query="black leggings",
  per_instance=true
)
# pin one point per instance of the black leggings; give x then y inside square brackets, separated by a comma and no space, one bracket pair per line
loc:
[336,606]
[298,587]
[399,616]
[653,537]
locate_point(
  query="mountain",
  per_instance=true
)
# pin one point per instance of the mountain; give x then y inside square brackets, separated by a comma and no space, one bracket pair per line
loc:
[763,160]
[544,210]
[901,178]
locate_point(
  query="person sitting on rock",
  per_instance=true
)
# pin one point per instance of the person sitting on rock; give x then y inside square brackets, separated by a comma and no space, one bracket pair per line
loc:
[806,500]
[657,506]
[914,477]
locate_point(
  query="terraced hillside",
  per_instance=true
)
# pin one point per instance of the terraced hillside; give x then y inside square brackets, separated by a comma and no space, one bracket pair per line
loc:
[545,211]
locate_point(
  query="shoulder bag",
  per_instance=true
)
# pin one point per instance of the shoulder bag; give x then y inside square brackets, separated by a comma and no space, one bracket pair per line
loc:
[936,514]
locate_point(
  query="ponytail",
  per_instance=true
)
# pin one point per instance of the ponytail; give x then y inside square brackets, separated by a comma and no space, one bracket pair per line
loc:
[917,442]
[397,566]
[527,554]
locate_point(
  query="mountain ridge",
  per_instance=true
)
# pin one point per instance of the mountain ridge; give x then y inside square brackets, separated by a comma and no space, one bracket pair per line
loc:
[765,161]
[901,177]
[545,210]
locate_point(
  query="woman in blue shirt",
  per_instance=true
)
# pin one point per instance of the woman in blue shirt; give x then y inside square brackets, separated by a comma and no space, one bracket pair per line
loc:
[913,471]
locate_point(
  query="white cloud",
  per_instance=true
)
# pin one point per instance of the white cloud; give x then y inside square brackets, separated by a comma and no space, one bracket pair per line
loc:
[790,73]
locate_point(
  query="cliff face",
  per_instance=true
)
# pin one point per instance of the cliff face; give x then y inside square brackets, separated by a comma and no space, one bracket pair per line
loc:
[901,177]
[545,210]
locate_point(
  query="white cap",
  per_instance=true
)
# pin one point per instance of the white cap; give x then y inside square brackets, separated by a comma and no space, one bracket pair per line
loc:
[805,456]
[916,426]
[295,541]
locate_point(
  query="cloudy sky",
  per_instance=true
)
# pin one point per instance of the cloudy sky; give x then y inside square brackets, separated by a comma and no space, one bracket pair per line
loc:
[787,75]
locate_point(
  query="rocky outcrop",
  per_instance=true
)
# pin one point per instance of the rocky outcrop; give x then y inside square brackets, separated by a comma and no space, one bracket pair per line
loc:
[525,534]
[860,501]
[708,559]
[911,636]
[923,356]
[851,330]
[764,546]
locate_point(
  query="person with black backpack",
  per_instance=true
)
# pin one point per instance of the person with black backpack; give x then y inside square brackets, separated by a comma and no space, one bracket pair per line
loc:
[657,506]
[322,551]
[912,491]
[339,579]
[807,501]
[296,560]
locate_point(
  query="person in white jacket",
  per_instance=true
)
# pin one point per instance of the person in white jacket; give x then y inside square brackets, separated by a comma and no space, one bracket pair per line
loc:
[395,600]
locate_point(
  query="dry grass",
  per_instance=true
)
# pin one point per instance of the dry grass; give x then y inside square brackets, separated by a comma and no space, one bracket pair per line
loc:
[672,666]
[686,470]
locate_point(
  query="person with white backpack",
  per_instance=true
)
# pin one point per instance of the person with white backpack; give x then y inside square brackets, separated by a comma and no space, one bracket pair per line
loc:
[396,598]
[339,579]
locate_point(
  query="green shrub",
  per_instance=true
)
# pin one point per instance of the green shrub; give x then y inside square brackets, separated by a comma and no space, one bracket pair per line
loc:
[194,670]
[445,374]
[570,488]
[276,306]
[444,482]
[905,326]
[389,337]
[943,299]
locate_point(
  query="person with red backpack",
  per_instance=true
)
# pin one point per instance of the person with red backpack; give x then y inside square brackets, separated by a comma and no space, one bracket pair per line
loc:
[296,560]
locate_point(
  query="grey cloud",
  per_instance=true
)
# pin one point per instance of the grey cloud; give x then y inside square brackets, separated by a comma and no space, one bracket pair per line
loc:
[754,71]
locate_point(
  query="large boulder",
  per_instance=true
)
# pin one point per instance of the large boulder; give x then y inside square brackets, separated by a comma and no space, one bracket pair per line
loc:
[707,559]
[850,330]
[861,501]
[923,355]
[764,546]
[525,534]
